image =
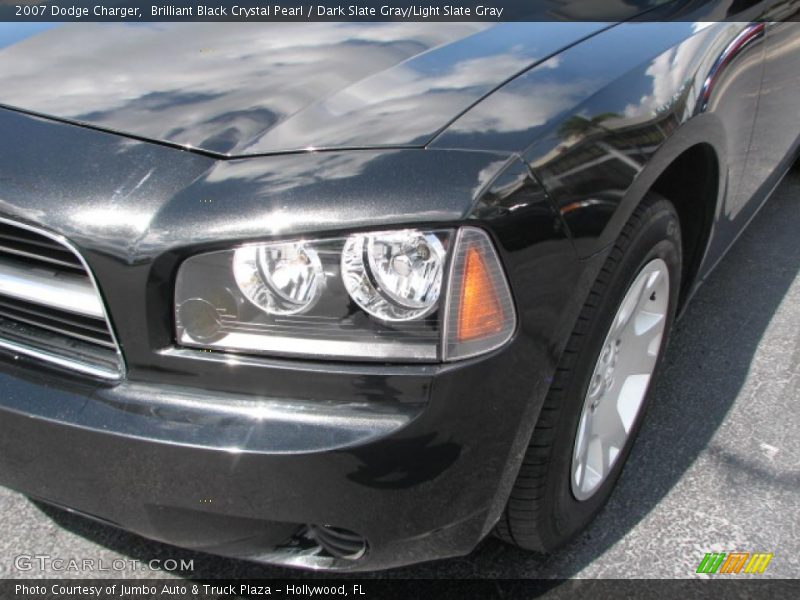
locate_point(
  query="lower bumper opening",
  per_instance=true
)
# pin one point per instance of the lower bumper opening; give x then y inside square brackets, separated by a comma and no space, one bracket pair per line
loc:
[337,542]
[322,547]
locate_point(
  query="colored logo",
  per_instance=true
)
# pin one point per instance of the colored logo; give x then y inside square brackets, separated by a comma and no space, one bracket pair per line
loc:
[734,563]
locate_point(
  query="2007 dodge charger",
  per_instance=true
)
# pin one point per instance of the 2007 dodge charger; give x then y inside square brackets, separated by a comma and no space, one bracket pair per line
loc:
[354,295]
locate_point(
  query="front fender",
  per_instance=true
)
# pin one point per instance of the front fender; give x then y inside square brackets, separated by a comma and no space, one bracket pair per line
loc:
[599,123]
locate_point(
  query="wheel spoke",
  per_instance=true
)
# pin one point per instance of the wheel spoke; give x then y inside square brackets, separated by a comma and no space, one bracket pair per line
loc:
[652,283]
[608,419]
[630,399]
[628,308]
[638,353]
[582,440]
[593,473]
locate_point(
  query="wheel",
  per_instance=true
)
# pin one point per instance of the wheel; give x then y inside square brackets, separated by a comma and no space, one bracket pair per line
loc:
[595,405]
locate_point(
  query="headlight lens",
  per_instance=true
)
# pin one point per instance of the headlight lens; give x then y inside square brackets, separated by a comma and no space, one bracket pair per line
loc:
[394,276]
[404,295]
[281,279]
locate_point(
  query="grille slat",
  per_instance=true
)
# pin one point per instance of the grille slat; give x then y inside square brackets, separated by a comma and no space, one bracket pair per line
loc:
[49,286]
[50,307]
[22,242]
[95,334]
[18,252]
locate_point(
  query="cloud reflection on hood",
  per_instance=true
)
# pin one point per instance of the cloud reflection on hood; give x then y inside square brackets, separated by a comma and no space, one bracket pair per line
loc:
[246,88]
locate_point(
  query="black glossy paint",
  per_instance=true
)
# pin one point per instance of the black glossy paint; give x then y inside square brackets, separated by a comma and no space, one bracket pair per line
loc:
[257,88]
[418,459]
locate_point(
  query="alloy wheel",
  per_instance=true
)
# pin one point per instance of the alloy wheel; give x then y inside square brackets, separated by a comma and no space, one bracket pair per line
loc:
[620,378]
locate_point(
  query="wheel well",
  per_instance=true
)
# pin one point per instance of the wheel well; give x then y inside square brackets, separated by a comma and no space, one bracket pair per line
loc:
[691,183]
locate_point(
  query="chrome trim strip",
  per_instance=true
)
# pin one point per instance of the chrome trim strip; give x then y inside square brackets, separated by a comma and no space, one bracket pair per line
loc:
[61,361]
[40,257]
[310,365]
[65,362]
[57,330]
[62,291]
[315,348]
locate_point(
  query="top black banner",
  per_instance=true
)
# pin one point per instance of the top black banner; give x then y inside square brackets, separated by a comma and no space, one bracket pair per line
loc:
[396,10]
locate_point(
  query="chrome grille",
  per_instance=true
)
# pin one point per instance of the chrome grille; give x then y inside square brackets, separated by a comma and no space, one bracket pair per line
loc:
[29,245]
[50,307]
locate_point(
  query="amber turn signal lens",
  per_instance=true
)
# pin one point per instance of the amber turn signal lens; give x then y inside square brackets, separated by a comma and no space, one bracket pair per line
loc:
[480,313]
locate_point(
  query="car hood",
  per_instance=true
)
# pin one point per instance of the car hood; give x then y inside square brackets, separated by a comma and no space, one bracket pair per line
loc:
[258,88]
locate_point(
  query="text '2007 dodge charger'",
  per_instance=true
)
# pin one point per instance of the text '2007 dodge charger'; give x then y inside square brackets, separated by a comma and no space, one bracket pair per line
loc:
[354,295]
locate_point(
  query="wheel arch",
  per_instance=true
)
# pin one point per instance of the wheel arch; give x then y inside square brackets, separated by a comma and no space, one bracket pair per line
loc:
[691,183]
[689,170]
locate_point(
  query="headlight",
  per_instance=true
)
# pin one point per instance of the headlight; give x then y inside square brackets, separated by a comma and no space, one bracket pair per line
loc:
[404,295]
[280,279]
[394,276]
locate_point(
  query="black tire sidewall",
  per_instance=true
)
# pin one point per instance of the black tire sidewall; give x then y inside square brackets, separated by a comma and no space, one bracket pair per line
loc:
[658,236]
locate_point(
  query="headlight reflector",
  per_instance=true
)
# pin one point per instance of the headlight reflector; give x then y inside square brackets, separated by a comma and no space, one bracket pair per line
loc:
[280,279]
[396,275]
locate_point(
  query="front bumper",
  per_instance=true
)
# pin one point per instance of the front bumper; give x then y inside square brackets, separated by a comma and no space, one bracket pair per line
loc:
[422,478]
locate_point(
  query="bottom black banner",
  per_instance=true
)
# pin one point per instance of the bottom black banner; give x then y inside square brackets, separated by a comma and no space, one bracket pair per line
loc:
[366,589]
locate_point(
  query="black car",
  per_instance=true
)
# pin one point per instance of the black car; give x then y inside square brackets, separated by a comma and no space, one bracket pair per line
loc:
[354,295]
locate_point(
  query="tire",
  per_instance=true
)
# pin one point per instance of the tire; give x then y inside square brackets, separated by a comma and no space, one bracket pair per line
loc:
[544,510]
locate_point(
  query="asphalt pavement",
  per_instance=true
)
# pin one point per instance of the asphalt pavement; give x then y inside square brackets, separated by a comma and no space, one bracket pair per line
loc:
[716,467]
